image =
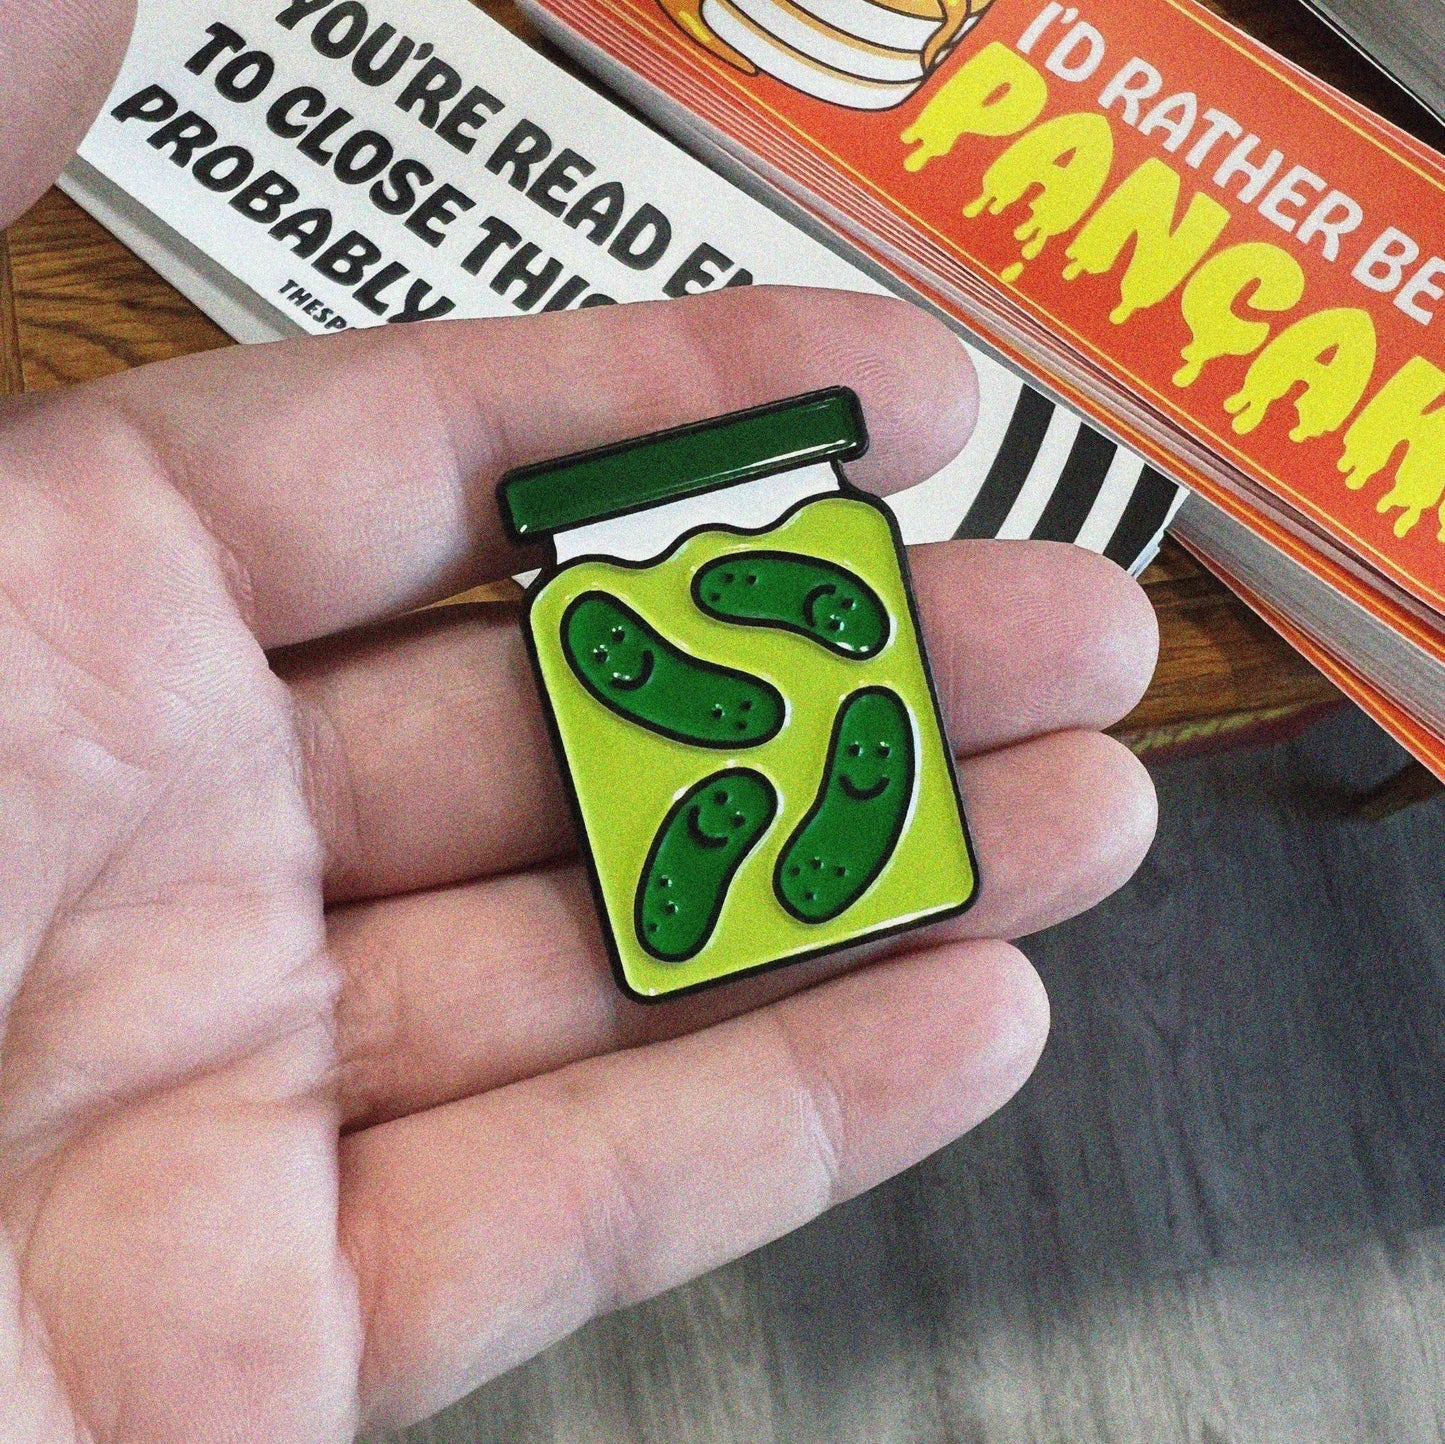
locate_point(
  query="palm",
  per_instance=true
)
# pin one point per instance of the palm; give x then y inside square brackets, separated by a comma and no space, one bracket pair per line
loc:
[317,1102]
[168,1161]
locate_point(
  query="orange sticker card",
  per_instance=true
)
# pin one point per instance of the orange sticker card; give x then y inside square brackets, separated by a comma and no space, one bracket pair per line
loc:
[1210,231]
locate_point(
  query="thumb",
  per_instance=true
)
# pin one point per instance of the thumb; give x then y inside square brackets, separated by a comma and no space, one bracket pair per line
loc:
[58,59]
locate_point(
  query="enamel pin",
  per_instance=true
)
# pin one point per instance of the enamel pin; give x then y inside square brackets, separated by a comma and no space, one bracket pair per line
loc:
[729,656]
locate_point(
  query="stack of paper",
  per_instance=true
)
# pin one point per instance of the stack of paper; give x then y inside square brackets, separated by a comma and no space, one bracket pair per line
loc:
[1216,257]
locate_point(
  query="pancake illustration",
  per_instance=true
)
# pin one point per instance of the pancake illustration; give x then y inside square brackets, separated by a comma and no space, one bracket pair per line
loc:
[685,15]
[859,54]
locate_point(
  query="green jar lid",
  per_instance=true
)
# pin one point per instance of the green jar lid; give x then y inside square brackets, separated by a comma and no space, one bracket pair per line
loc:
[592,486]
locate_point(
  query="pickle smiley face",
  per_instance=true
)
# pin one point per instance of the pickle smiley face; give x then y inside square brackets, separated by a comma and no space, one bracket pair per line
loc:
[628,666]
[614,647]
[814,598]
[857,818]
[873,751]
[700,845]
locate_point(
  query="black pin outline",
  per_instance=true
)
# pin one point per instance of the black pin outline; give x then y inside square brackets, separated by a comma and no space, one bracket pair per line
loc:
[851,493]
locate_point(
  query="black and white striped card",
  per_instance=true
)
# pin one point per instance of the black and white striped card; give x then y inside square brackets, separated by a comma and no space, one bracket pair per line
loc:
[1035,469]
[315,197]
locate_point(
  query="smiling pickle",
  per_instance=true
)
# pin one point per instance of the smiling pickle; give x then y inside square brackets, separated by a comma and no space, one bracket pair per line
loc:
[629,667]
[855,821]
[700,845]
[814,598]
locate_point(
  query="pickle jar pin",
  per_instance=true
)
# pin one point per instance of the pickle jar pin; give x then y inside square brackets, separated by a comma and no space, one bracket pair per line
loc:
[729,657]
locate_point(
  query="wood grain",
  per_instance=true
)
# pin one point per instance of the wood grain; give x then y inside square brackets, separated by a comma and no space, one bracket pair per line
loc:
[1223,674]
[86,307]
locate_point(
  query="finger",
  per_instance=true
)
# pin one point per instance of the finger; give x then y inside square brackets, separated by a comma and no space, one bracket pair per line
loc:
[484,1230]
[430,759]
[353,477]
[57,62]
[456,992]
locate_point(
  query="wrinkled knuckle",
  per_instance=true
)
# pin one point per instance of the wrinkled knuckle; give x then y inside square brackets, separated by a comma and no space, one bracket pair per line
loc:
[822,1115]
[327,784]
[127,433]
[373,1034]
[611,1242]
[700,362]
[374,1245]
[821,1119]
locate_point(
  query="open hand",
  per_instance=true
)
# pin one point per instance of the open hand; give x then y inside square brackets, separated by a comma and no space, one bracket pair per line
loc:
[318,1104]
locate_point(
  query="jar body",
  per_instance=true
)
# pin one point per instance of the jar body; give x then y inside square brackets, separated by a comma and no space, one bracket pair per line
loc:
[629,771]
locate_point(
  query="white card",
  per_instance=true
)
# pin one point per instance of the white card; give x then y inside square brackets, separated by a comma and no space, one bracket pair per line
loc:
[356,165]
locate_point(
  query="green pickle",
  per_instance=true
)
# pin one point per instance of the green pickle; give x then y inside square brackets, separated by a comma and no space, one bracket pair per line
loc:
[698,848]
[629,666]
[814,598]
[854,824]
[730,665]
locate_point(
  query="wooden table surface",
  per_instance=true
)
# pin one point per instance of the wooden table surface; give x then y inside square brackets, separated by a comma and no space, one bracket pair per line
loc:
[75,304]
